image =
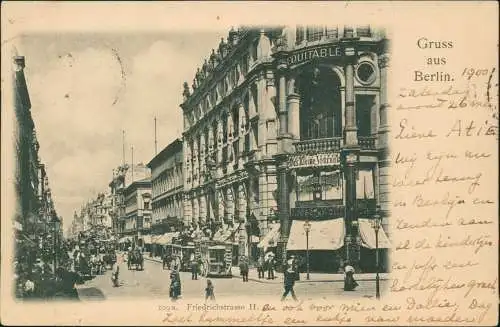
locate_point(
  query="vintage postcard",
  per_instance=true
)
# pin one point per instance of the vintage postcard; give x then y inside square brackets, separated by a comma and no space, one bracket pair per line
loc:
[249,163]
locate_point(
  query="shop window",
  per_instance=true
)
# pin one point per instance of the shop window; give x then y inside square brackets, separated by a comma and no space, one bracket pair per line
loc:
[319,185]
[364,105]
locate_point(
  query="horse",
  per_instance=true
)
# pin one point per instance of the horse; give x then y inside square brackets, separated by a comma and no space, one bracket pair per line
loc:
[135,258]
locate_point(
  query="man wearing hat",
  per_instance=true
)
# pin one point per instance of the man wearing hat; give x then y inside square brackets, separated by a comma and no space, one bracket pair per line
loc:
[289,283]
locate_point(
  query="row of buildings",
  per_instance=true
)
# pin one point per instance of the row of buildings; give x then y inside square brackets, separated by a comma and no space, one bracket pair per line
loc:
[38,228]
[281,126]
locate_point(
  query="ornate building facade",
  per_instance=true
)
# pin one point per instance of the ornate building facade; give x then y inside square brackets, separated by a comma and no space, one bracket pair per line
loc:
[290,124]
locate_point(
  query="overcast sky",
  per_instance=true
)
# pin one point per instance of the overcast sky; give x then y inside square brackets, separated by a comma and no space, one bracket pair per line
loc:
[86,88]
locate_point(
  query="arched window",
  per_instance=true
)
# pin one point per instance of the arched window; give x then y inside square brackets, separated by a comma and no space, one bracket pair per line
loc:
[320,104]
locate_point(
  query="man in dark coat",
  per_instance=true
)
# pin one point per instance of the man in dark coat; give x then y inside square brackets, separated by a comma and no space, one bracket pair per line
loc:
[244,268]
[194,269]
[289,283]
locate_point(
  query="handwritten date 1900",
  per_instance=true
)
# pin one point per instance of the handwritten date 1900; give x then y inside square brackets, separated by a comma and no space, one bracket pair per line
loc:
[473,72]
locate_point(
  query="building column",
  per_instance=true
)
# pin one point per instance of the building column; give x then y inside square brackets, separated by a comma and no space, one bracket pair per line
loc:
[202,159]
[230,203]
[220,139]
[220,204]
[351,137]
[243,237]
[284,212]
[283,117]
[242,128]
[293,108]
[230,137]
[285,144]
[188,214]
[203,209]
[351,219]
[383,139]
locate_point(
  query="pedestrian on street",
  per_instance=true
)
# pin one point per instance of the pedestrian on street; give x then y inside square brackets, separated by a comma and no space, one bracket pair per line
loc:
[349,282]
[209,291]
[194,269]
[175,284]
[244,268]
[270,265]
[260,266]
[289,283]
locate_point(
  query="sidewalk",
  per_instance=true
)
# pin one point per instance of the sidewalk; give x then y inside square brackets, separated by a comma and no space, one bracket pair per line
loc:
[313,277]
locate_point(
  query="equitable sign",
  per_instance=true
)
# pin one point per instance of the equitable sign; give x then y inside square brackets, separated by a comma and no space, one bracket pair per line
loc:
[311,53]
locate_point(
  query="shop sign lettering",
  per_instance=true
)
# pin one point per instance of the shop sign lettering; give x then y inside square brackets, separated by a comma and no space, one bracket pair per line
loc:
[312,53]
[321,159]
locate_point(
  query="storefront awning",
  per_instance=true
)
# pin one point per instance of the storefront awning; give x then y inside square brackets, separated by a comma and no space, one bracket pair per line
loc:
[125,239]
[223,235]
[271,238]
[324,235]
[147,239]
[166,238]
[367,234]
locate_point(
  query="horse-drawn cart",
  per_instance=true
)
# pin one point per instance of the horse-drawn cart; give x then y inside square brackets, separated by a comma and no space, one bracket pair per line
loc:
[136,259]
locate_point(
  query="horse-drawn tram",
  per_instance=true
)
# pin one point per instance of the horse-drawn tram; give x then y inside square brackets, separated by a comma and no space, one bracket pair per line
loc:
[216,260]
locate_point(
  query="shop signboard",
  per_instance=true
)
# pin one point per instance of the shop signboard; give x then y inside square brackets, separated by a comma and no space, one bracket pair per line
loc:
[314,160]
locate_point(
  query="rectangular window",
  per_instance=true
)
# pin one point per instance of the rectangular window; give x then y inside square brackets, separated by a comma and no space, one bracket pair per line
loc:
[332,32]
[364,184]
[319,185]
[363,31]
[299,37]
[364,105]
[314,33]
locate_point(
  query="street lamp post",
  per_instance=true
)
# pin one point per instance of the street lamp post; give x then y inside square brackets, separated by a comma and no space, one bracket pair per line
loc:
[376,222]
[307,228]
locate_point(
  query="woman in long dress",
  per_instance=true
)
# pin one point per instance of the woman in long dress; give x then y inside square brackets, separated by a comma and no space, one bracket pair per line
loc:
[349,282]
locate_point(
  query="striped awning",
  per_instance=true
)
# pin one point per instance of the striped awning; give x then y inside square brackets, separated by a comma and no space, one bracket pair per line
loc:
[125,239]
[147,239]
[165,238]
[323,235]
[367,234]
[271,238]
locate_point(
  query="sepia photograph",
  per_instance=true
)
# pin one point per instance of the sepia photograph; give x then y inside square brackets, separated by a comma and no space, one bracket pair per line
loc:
[268,177]
[205,164]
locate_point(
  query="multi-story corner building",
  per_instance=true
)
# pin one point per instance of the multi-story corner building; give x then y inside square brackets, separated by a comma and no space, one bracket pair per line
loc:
[136,223]
[167,187]
[290,124]
[123,176]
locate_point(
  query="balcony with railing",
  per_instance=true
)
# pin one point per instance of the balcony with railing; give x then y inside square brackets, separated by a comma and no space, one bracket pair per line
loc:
[319,145]
[367,142]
